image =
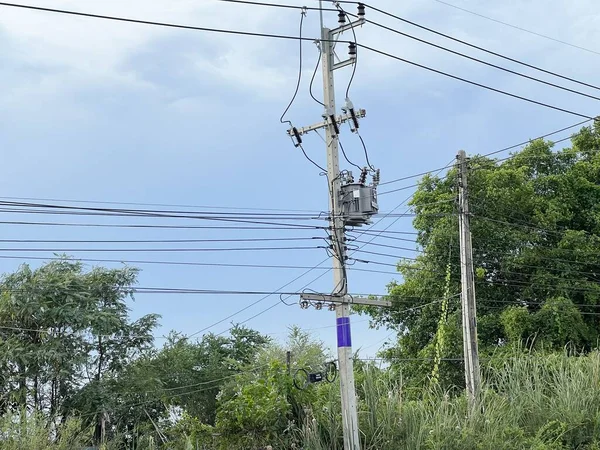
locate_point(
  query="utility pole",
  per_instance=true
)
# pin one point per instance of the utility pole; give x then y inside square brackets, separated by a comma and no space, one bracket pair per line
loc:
[467,279]
[350,204]
[342,311]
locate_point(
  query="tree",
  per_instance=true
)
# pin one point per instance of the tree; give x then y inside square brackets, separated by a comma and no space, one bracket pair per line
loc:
[64,333]
[261,404]
[536,234]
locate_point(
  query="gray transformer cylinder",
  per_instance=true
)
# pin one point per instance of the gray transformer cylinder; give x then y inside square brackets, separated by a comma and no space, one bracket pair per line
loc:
[358,203]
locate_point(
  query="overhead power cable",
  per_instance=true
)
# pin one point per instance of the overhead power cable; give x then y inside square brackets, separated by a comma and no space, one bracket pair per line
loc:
[518,28]
[183,291]
[278,5]
[312,79]
[302,275]
[504,149]
[153,23]
[152,212]
[179,263]
[150,241]
[245,308]
[463,42]
[115,212]
[480,61]
[161,250]
[474,83]
[277,36]
[356,54]
[169,205]
[302,14]
[147,226]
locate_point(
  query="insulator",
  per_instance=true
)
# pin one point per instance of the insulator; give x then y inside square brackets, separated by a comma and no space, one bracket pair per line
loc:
[350,108]
[363,176]
[332,307]
[361,11]
[319,306]
[352,50]
[297,136]
[304,304]
[341,17]
[334,123]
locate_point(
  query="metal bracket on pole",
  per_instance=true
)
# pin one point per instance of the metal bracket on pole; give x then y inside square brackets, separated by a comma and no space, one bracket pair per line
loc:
[343,63]
[343,118]
[348,299]
[348,26]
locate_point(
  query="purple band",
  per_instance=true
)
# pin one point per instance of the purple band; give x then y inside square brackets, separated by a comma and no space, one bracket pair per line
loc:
[344,338]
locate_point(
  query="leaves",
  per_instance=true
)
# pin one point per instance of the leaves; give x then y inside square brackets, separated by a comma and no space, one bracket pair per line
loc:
[535,228]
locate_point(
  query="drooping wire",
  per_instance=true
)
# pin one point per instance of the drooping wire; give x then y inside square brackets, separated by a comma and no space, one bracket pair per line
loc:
[346,156]
[356,55]
[366,151]
[308,157]
[312,80]
[302,15]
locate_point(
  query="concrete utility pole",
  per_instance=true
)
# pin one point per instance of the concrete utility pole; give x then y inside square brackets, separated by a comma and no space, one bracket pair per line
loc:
[467,279]
[342,312]
[350,204]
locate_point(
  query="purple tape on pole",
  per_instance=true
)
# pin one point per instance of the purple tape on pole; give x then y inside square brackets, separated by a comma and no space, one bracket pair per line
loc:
[344,338]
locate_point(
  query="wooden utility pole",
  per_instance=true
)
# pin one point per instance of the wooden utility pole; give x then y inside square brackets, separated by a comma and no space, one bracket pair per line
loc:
[467,280]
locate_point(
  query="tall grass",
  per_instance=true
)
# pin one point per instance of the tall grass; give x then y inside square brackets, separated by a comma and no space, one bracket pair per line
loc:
[538,402]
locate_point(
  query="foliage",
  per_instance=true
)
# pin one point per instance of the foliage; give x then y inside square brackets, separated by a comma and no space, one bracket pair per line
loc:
[65,334]
[536,233]
[261,405]
[535,401]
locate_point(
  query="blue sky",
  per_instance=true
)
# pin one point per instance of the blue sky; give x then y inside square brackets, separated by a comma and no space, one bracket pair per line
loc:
[106,111]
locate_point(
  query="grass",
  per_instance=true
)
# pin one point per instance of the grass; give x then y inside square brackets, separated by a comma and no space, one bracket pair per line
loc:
[540,402]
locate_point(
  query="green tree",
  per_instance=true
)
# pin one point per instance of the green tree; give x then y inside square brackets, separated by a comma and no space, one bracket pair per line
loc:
[261,405]
[64,333]
[536,239]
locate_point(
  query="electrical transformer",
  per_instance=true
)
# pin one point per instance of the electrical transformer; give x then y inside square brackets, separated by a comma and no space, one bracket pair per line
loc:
[358,203]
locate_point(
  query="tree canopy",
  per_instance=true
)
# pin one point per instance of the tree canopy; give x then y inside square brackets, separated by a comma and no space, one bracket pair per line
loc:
[535,224]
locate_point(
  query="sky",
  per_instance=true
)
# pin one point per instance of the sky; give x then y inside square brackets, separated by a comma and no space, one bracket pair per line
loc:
[102,111]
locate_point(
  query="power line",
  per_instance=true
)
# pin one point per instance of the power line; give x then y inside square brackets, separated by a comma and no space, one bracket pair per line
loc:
[222,249]
[339,7]
[277,36]
[387,13]
[178,291]
[312,80]
[277,5]
[474,83]
[180,263]
[346,156]
[517,27]
[388,246]
[389,237]
[153,23]
[302,14]
[154,212]
[157,204]
[144,226]
[151,241]
[480,61]
[451,164]
[399,189]
[310,282]
[499,55]
[469,57]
